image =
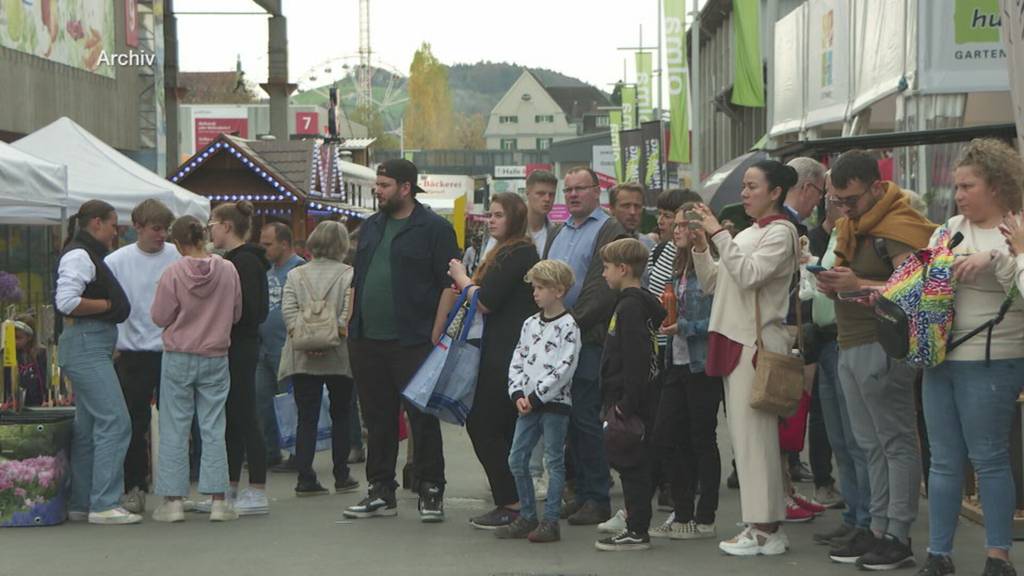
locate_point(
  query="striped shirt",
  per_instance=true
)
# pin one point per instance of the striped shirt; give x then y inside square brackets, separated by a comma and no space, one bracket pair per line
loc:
[659,274]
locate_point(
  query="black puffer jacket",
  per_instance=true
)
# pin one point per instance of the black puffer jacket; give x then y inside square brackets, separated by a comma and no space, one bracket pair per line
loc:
[629,364]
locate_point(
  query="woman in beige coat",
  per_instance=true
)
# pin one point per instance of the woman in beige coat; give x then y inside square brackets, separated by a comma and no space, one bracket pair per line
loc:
[325,278]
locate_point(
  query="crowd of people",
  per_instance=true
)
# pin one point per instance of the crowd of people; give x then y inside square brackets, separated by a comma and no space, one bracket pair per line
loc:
[601,348]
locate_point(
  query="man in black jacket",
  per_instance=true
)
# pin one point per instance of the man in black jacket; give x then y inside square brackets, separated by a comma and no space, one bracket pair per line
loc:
[401,274]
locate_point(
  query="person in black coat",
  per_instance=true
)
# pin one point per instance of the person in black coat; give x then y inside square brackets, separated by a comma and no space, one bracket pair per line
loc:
[505,302]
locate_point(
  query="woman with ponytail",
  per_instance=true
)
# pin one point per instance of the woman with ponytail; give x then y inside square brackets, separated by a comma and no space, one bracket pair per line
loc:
[91,304]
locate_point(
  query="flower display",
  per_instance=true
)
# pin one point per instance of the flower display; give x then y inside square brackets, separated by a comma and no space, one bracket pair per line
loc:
[26,484]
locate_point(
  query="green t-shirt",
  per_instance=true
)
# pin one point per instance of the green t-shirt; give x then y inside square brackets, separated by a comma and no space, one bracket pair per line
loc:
[377,299]
[856,322]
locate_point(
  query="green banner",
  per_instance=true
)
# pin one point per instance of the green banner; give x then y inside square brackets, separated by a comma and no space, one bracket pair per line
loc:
[615,125]
[748,84]
[678,81]
[628,107]
[645,86]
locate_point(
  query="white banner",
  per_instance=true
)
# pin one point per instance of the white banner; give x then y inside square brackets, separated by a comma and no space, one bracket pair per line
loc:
[959,47]
[880,56]
[1013,35]
[603,159]
[788,83]
[828,61]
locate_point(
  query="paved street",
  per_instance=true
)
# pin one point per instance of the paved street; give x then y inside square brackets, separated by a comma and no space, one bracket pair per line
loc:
[309,536]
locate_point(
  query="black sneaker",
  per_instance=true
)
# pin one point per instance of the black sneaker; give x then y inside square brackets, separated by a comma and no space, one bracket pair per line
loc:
[997,567]
[545,532]
[837,537]
[888,554]
[590,514]
[519,529]
[431,504]
[937,565]
[346,486]
[379,502]
[623,541]
[494,519]
[862,543]
[310,489]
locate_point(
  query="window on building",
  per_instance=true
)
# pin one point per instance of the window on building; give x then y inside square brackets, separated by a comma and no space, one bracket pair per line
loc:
[543,143]
[544,119]
[508,119]
[508,143]
[603,122]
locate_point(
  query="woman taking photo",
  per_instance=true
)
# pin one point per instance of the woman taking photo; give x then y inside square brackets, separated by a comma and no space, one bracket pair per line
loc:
[687,422]
[325,278]
[755,267]
[91,303]
[505,302]
[229,230]
[969,400]
[198,299]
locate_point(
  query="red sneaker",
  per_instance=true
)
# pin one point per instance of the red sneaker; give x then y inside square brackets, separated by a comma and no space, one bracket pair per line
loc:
[810,506]
[795,513]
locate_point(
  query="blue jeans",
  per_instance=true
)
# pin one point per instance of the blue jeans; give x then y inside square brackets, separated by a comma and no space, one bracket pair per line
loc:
[586,432]
[103,428]
[969,409]
[851,461]
[529,429]
[267,386]
[192,385]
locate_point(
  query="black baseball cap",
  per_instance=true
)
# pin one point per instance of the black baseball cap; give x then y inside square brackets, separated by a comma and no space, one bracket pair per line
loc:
[401,170]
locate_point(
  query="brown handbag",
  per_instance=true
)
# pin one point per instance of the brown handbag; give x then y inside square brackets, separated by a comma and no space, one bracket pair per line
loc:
[778,378]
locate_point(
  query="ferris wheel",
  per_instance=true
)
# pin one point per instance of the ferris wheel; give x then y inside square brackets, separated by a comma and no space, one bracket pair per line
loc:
[377,87]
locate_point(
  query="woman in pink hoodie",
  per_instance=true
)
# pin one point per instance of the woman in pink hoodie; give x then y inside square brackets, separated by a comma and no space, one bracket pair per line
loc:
[197,301]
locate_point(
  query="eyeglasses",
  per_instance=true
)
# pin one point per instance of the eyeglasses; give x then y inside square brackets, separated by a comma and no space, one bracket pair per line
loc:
[578,189]
[818,189]
[849,201]
[211,224]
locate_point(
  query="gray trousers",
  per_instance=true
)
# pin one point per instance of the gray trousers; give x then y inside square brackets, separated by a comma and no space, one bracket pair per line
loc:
[880,400]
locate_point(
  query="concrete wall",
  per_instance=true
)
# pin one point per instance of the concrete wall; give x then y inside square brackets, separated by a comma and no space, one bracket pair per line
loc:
[35,91]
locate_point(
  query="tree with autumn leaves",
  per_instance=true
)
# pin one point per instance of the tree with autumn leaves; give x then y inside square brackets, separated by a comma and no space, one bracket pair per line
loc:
[430,122]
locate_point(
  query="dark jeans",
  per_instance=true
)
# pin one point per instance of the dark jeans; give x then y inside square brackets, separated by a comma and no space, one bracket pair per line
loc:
[819,449]
[308,390]
[139,374]
[685,432]
[382,370]
[492,427]
[355,437]
[638,489]
[243,434]
[586,432]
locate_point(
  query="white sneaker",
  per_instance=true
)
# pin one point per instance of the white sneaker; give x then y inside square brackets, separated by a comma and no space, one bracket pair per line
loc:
[754,542]
[222,511]
[252,502]
[708,531]
[77,516]
[613,525]
[134,501]
[206,504]
[113,517]
[170,511]
[540,488]
[668,528]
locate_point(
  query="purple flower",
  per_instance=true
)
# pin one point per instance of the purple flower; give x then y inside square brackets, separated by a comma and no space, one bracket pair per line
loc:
[10,287]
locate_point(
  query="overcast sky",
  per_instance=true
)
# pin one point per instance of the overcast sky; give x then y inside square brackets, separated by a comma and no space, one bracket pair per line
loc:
[579,38]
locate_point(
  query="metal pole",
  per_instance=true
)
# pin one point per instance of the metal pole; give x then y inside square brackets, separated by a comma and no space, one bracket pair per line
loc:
[663,160]
[696,96]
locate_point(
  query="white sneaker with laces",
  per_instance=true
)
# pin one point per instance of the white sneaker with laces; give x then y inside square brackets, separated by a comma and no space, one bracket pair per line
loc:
[77,516]
[170,511]
[223,511]
[754,542]
[134,501]
[708,531]
[114,517]
[613,525]
[252,502]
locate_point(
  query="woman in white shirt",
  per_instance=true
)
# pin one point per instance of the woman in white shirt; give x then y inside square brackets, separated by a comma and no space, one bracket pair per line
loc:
[759,263]
[970,399]
[91,304]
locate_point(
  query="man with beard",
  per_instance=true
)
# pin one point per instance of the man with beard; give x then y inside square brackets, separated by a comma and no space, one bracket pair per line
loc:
[401,275]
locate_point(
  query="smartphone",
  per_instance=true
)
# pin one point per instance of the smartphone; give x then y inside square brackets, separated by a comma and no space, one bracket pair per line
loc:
[856,294]
[816,268]
[694,220]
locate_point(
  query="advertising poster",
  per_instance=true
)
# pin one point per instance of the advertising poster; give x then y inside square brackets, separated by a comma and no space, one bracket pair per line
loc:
[632,144]
[652,154]
[76,33]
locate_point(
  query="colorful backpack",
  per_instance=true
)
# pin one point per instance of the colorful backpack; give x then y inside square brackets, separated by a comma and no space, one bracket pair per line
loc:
[915,309]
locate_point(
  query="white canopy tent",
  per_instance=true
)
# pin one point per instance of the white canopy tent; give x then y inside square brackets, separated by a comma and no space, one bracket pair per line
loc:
[95,170]
[33,184]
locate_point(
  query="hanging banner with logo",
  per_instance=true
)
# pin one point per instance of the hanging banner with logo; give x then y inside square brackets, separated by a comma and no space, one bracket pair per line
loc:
[959,47]
[645,86]
[628,107]
[1013,36]
[678,81]
[652,133]
[748,84]
[828,61]
[76,33]
[615,125]
[632,143]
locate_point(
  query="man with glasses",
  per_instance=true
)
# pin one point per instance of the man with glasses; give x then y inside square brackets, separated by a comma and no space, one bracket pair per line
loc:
[592,302]
[879,231]
[802,199]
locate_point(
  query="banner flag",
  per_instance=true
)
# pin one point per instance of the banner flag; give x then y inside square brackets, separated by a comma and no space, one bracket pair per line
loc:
[628,107]
[645,86]
[748,83]
[678,81]
[615,125]
[652,133]
[632,143]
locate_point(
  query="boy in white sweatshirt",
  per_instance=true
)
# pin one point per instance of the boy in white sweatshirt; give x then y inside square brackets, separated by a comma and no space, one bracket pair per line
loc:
[540,380]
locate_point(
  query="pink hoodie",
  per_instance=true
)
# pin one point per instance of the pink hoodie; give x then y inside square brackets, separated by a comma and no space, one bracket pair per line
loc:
[197,301]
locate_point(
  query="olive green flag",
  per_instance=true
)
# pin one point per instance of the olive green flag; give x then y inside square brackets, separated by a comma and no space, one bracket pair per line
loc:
[628,107]
[615,125]
[678,81]
[748,84]
[645,86]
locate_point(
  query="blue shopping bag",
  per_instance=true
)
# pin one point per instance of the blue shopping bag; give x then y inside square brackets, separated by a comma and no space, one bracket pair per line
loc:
[288,421]
[445,383]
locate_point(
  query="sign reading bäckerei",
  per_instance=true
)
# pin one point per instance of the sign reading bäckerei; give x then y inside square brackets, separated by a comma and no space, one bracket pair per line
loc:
[959,47]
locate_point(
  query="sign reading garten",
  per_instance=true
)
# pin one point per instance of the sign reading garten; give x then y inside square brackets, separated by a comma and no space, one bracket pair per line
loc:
[960,48]
[77,33]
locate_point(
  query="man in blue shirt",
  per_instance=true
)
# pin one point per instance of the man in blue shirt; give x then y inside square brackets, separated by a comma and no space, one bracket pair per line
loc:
[592,302]
[276,239]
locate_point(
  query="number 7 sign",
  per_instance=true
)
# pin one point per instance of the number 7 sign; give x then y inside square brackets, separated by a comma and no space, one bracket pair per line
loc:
[307,122]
